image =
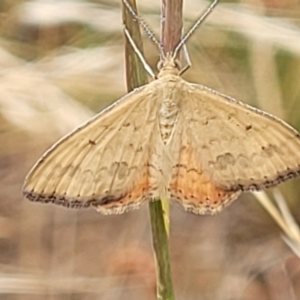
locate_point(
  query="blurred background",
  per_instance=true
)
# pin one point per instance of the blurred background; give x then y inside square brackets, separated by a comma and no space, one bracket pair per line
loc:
[63,61]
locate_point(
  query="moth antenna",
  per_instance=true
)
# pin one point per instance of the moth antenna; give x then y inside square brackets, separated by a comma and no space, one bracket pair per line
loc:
[146,29]
[200,20]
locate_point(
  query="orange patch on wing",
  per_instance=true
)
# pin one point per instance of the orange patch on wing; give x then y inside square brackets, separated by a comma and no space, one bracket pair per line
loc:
[194,190]
[131,199]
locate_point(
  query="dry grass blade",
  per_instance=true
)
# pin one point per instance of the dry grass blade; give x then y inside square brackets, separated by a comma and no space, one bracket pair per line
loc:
[283,218]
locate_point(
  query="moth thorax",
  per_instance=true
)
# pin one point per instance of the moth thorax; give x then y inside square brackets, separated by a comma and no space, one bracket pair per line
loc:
[168,114]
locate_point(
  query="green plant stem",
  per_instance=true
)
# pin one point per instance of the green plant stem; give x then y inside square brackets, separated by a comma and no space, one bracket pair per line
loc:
[159,210]
[160,240]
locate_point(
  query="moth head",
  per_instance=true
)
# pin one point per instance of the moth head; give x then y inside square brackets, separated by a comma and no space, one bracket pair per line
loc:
[168,65]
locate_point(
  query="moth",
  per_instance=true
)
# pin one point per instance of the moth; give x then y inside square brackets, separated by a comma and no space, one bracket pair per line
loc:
[169,139]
